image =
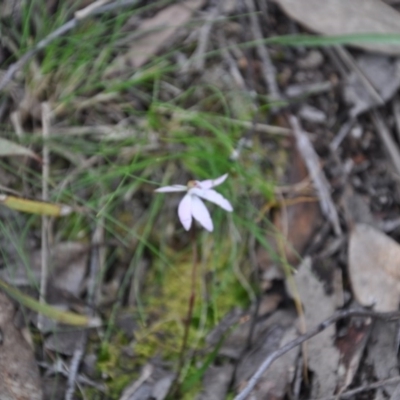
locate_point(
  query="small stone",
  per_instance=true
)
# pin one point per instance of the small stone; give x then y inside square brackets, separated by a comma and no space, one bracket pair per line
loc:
[313,60]
[312,114]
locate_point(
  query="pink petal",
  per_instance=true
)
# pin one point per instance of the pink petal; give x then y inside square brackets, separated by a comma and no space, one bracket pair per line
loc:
[174,188]
[214,197]
[185,211]
[210,183]
[201,214]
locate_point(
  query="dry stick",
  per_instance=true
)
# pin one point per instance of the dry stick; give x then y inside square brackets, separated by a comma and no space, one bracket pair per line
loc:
[46,115]
[297,379]
[81,14]
[268,69]
[145,375]
[387,139]
[59,368]
[198,56]
[73,368]
[396,113]
[322,186]
[353,66]
[291,282]
[343,132]
[391,316]
[62,30]
[96,263]
[376,385]
[230,61]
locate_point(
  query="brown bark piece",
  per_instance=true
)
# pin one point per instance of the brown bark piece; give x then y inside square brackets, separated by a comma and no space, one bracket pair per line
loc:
[19,374]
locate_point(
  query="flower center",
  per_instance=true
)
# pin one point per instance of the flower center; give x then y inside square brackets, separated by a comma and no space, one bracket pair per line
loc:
[192,184]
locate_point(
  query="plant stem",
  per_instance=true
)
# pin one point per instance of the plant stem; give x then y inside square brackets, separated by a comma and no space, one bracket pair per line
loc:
[189,316]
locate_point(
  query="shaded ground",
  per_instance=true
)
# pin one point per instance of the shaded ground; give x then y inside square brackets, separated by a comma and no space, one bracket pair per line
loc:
[136,95]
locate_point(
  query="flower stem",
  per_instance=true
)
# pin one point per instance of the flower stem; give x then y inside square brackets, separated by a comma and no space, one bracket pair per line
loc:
[189,316]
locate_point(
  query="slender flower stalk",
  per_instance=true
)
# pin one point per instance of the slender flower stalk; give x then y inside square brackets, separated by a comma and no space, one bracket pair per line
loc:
[189,315]
[192,207]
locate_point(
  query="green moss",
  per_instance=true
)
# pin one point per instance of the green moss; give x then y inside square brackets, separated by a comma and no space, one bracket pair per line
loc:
[167,299]
[118,370]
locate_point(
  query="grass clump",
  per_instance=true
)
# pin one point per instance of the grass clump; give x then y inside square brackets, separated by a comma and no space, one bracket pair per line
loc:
[114,139]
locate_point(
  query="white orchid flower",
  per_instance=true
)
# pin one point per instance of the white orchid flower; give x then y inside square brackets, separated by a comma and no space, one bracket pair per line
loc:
[191,206]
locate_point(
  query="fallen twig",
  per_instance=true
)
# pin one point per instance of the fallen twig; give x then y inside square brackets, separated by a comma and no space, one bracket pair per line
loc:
[232,65]
[343,132]
[387,139]
[59,368]
[376,385]
[46,115]
[74,367]
[352,66]
[390,316]
[128,393]
[198,58]
[96,263]
[396,114]
[268,69]
[310,157]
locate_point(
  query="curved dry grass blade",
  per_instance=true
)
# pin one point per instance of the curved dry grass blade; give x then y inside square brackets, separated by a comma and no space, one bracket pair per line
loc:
[35,206]
[8,148]
[65,317]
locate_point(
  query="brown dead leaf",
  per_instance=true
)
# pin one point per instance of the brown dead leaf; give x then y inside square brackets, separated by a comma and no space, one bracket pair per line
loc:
[216,382]
[54,387]
[382,73]
[351,347]
[155,32]
[64,342]
[297,221]
[356,208]
[382,351]
[396,393]
[374,268]
[344,17]
[269,303]
[229,320]
[153,383]
[19,374]
[269,334]
[274,382]
[323,356]
[68,261]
